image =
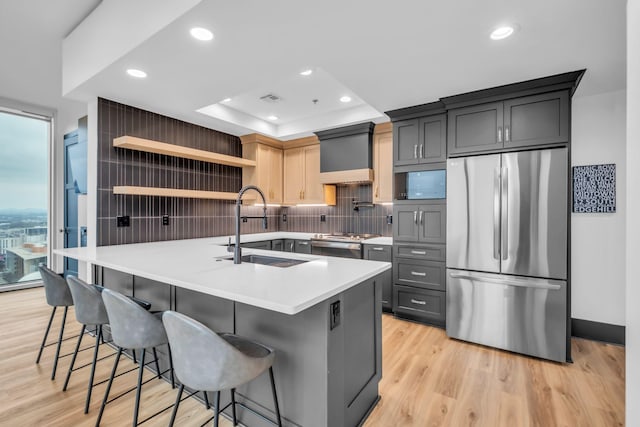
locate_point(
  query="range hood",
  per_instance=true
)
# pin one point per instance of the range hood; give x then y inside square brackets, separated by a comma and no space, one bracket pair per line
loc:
[346,154]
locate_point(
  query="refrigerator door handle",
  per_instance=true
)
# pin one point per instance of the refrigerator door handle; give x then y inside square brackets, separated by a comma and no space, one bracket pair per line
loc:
[496,214]
[507,282]
[504,249]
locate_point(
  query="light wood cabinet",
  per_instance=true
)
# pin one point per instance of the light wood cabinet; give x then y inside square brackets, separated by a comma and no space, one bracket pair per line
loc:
[302,177]
[293,175]
[267,174]
[383,165]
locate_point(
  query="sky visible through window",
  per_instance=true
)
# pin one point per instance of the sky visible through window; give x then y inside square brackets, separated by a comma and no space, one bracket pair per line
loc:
[23,196]
[23,162]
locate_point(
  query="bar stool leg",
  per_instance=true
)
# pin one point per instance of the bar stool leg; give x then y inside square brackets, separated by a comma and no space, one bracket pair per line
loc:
[93,370]
[233,406]
[73,358]
[155,356]
[106,393]
[175,407]
[55,362]
[275,397]
[206,400]
[216,418]
[173,381]
[139,389]
[46,333]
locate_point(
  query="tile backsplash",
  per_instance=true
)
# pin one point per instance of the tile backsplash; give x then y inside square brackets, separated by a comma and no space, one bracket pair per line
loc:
[342,217]
[193,218]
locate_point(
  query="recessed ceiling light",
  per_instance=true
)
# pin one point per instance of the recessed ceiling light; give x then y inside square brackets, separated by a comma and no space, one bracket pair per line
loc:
[201,34]
[226,100]
[306,72]
[136,73]
[345,99]
[502,32]
[272,117]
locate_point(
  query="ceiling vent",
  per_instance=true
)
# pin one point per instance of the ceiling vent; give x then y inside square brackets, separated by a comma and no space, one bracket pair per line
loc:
[271,98]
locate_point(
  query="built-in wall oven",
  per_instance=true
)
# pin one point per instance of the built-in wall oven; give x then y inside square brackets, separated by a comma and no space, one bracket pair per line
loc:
[345,245]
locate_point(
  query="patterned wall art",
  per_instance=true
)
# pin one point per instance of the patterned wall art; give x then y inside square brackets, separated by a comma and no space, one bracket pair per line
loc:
[594,189]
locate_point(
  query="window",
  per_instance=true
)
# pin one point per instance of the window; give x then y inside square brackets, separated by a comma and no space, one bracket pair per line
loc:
[24,213]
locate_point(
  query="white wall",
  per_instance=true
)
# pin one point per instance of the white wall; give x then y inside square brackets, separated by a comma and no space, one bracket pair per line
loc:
[633,208]
[598,240]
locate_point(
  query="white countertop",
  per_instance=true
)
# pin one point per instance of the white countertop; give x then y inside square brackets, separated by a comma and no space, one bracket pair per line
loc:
[192,264]
[379,241]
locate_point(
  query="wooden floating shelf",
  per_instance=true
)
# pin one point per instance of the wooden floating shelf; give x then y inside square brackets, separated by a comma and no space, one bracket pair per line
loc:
[175,192]
[149,146]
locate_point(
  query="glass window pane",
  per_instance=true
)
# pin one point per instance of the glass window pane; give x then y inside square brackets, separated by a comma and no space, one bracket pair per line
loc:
[23,197]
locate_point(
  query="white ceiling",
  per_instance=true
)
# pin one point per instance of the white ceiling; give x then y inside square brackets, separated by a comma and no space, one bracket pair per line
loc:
[388,54]
[31,33]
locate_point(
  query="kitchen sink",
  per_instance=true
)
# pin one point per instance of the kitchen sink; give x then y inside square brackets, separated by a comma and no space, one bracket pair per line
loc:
[268,260]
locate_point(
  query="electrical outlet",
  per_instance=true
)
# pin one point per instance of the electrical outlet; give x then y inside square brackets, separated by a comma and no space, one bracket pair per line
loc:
[323,218]
[389,219]
[245,219]
[123,221]
[334,314]
[165,219]
[284,217]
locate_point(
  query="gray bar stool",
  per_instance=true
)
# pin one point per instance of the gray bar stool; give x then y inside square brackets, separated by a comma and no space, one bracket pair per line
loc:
[89,310]
[58,295]
[133,328]
[207,361]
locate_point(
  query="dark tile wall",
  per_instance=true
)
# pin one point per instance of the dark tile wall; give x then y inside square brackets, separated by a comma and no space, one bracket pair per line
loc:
[342,217]
[189,218]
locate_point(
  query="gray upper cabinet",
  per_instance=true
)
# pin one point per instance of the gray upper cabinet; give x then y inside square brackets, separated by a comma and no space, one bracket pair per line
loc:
[536,120]
[405,142]
[425,223]
[476,128]
[420,140]
[520,122]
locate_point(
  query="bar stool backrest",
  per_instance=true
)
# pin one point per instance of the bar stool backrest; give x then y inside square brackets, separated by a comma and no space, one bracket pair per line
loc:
[203,360]
[132,327]
[55,288]
[89,306]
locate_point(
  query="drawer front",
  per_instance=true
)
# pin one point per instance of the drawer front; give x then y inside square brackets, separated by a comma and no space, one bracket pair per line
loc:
[427,304]
[303,246]
[424,274]
[424,252]
[377,253]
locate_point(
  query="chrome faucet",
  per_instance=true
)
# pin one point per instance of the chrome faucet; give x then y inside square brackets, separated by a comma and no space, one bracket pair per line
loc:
[237,252]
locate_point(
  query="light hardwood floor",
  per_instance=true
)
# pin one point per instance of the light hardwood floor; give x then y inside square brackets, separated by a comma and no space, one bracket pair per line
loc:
[428,380]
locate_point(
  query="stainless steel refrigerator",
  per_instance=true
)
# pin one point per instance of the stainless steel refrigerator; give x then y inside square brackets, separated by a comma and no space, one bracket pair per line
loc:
[507,251]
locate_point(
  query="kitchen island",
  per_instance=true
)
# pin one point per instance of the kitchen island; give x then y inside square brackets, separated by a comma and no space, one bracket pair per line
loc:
[322,316]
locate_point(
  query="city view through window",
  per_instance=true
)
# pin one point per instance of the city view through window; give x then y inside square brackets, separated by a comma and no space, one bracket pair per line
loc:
[23,197]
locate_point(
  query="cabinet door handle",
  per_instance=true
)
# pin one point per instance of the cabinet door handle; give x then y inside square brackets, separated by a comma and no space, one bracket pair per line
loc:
[418,252]
[506,134]
[418,301]
[377,249]
[303,243]
[499,133]
[421,151]
[415,217]
[415,151]
[421,212]
[291,247]
[418,273]
[377,188]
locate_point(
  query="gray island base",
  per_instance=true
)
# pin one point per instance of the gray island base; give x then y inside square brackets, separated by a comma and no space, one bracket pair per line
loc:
[328,357]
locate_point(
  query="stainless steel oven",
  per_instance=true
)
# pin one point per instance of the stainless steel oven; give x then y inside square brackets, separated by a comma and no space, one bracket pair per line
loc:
[345,245]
